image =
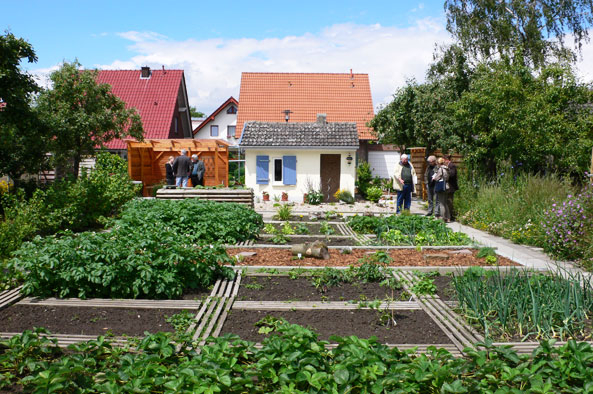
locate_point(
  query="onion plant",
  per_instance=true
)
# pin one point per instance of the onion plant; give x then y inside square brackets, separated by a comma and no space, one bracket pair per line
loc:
[526,304]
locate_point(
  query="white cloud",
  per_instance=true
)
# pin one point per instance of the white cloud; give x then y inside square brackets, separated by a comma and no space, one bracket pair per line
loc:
[213,67]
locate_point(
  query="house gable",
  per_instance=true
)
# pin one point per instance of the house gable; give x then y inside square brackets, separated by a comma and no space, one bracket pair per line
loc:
[160,99]
[223,117]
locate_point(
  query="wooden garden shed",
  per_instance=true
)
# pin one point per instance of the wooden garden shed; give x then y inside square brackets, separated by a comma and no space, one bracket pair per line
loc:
[146,160]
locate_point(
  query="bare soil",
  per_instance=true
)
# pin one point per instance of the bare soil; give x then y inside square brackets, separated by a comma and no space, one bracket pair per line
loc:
[86,320]
[412,326]
[282,288]
[401,258]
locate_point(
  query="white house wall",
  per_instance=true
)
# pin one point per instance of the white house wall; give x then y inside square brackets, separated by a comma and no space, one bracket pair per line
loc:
[307,171]
[222,120]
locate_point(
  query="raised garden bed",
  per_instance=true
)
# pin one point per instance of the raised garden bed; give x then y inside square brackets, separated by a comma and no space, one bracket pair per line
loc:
[412,326]
[86,320]
[400,257]
[294,240]
[312,228]
[283,288]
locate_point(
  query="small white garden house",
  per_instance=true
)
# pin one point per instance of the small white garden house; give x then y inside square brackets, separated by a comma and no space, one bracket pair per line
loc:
[296,157]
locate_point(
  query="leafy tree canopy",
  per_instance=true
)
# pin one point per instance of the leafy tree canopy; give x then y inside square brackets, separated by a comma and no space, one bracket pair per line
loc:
[535,29]
[195,113]
[84,115]
[23,137]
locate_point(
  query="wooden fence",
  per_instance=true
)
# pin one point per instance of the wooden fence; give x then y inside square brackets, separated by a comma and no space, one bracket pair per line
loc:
[418,160]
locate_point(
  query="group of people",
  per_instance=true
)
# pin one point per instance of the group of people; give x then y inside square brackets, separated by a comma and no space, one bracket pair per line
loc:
[179,170]
[440,178]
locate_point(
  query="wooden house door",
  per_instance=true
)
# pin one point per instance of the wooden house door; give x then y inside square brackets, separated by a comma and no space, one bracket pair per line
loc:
[330,176]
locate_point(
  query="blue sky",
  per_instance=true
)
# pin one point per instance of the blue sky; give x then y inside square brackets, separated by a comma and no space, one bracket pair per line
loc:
[213,42]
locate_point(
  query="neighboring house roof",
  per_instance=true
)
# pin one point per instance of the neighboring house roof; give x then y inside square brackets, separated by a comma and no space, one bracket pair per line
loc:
[343,97]
[231,100]
[155,98]
[282,134]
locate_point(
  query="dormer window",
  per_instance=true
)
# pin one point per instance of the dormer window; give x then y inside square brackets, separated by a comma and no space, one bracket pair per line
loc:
[232,110]
[145,72]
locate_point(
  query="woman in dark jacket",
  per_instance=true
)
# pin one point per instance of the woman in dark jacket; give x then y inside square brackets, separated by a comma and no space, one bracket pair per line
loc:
[442,174]
[169,171]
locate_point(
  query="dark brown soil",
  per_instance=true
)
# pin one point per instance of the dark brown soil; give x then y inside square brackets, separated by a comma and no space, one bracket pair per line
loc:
[282,288]
[331,241]
[195,294]
[312,227]
[401,258]
[412,326]
[86,320]
[445,290]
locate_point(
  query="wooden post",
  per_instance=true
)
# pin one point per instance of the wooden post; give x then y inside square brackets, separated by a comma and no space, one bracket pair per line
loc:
[591,169]
[216,164]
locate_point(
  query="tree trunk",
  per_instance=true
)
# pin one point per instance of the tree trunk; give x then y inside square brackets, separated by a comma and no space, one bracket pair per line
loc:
[315,249]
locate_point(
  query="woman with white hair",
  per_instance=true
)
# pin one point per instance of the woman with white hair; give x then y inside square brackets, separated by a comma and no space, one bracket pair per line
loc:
[404,182]
[441,177]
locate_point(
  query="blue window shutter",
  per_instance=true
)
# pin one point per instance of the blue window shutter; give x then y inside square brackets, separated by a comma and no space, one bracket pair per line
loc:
[262,170]
[289,176]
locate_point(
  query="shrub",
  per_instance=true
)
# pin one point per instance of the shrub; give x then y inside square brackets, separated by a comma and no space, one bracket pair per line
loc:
[374,193]
[314,197]
[567,224]
[196,220]
[148,262]
[364,178]
[345,196]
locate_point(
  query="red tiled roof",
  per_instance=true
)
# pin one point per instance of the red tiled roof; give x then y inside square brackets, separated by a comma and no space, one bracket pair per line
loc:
[231,100]
[154,98]
[343,97]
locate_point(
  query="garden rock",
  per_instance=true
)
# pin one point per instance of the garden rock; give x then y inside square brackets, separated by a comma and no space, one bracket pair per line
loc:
[243,255]
[315,249]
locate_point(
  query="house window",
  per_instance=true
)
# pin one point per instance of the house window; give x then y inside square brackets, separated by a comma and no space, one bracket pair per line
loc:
[176,120]
[232,110]
[230,131]
[214,131]
[277,170]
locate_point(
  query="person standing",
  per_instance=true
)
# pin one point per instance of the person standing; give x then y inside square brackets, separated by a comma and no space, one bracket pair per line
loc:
[197,171]
[169,171]
[453,186]
[441,178]
[433,202]
[181,169]
[404,182]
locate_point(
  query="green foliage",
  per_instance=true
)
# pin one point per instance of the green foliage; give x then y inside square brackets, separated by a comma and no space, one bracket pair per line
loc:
[314,197]
[512,206]
[23,135]
[67,205]
[525,31]
[301,228]
[181,321]
[374,193]
[291,361]
[195,220]
[408,229]
[363,178]
[525,304]
[325,228]
[126,262]
[283,212]
[424,286]
[345,196]
[372,269]
[485,252]
[83,114]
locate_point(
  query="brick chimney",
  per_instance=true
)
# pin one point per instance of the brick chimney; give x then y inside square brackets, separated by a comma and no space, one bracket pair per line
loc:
[145,72]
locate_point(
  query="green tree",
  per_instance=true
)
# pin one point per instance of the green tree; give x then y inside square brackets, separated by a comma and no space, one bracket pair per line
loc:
[84,115]
[539,120]
[24,139]
[195,113]
[533,29]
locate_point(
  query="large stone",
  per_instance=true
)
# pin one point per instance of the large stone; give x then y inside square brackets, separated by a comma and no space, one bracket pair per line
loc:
[244,255]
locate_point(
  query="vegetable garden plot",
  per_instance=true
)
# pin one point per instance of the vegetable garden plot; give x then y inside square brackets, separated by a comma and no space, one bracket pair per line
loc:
[339,258]
[413,327]
[339,240]
[307,228]
[86,320]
